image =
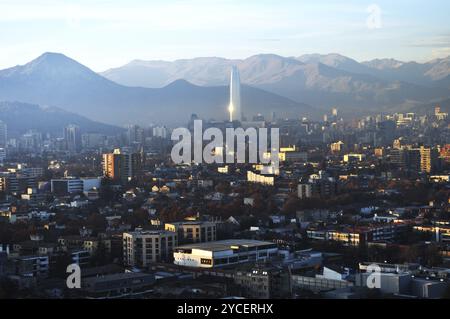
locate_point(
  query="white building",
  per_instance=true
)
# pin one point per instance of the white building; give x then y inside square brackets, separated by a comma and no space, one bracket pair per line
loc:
[74,185]
[160,131]
[223,253]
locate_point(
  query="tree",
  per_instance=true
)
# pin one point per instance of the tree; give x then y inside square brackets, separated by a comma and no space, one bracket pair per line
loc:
[100,257]
[172,213]
[291,206]
[106,192]
[447,293]
[96,222]
[223,188]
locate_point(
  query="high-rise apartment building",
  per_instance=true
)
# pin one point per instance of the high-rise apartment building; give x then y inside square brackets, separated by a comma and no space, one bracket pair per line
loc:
[3,134]
[440,116]
[16,183]
[121,165]
[193,232]
[428,158]
[72,137]
[421,159]
[134,135]
[140,248]
[2,155]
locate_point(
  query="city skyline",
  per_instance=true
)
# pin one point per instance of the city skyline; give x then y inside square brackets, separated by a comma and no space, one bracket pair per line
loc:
[311,163]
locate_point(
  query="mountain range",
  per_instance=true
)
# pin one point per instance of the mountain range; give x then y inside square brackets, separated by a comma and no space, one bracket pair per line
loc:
[56,80]
[22,117]
[144,92]
[319,80]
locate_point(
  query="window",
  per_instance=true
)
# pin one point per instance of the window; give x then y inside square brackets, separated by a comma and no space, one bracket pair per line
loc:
[233,260]
[205,261]
[221,261]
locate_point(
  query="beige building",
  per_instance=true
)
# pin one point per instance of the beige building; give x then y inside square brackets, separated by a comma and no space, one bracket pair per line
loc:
[140,248]
[354,158]
[337,147]
[121,165]
[268,180]
[193,232]
[426,159]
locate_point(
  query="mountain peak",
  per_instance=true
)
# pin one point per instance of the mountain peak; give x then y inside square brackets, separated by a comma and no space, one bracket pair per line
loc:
[180,84]
[270,56]
[331,59]
[52,55]
[52,65]
[383,64]
[55,59]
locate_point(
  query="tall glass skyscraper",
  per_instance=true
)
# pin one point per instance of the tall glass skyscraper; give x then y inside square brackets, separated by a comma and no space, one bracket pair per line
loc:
[72,136]
[235,96]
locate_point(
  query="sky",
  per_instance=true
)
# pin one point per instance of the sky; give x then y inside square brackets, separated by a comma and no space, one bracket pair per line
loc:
[105,33]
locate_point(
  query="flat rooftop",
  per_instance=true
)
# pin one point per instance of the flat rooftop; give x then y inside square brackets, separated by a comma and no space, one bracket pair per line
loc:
[149,232]
[226,244]
[117,276]
[193,222]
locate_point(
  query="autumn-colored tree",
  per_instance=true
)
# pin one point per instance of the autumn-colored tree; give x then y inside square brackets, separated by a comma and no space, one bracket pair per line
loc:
[96,222]
[172,213]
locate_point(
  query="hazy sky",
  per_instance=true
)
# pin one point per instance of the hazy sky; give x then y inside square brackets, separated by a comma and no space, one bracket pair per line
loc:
[106,33]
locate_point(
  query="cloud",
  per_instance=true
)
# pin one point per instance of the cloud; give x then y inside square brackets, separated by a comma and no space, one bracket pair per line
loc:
[440,53]
[439,45]
[441,41]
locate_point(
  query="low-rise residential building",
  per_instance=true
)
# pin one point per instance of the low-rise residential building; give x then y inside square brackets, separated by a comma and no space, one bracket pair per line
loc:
[318,284]
[89,244]
[73,185]
[32,266]
[263,282]
[117,285]
[357,235]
